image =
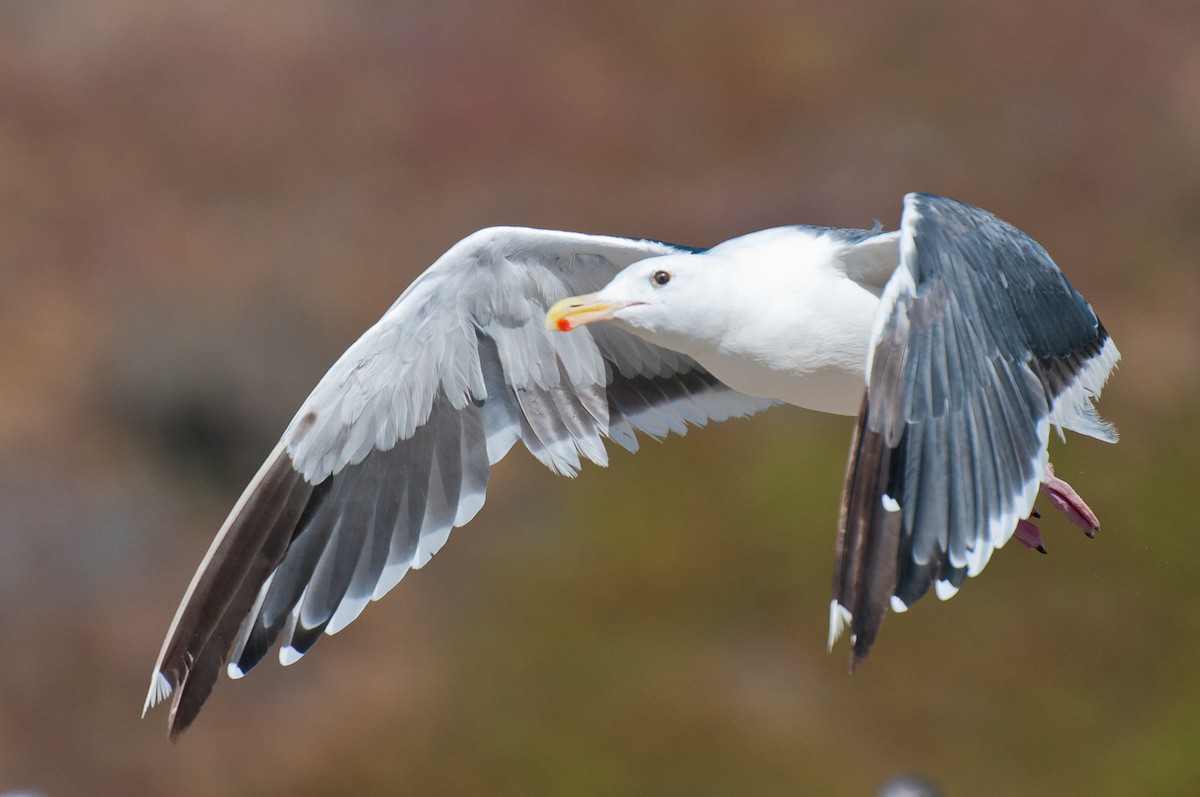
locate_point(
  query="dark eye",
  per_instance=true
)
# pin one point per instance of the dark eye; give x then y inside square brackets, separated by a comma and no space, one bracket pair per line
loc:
[661,277]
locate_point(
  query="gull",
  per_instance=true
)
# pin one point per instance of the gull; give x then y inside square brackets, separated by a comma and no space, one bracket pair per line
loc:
[955,341]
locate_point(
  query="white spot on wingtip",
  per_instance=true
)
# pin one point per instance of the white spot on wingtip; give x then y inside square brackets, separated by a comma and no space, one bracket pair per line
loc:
[234,671]
[160,690]
[889,503]
[899,606]
[945,590]
[839,618]
[288,655]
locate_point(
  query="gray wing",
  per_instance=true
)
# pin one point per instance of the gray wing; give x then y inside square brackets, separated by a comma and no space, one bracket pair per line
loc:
[393,447]
[980,346]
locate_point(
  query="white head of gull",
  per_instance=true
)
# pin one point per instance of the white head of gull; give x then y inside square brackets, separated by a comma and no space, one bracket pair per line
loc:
[955,340]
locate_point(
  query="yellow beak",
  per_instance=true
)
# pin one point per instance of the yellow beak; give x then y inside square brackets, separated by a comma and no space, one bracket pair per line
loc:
[575,311]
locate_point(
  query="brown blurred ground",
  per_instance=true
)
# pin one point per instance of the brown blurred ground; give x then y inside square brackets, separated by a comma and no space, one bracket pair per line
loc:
[203,203]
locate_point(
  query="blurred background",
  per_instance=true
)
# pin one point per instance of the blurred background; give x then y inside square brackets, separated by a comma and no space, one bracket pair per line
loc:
[203,203]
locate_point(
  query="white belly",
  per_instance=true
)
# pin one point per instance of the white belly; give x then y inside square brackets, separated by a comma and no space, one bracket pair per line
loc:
[833,388]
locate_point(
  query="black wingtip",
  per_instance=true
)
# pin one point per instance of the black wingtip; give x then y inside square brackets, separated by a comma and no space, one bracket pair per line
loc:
[186,707]
[226,587]
[869,527]
[857,655]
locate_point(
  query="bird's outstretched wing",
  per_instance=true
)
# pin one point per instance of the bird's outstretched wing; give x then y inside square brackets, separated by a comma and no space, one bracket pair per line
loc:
[980,346]
[393,447]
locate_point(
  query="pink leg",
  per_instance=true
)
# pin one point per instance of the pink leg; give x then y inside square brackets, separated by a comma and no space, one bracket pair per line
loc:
[1064,497]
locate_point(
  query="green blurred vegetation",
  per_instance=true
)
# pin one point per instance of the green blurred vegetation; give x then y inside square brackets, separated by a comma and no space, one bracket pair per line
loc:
[202,204]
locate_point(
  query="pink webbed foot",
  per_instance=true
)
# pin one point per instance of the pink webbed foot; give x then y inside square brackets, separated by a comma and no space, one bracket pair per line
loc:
[1067,501]
[1028,535]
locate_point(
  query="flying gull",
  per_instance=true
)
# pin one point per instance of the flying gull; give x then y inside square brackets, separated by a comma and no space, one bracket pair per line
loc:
[955,340]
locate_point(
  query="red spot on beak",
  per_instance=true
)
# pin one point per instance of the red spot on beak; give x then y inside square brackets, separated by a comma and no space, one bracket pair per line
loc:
[563,324]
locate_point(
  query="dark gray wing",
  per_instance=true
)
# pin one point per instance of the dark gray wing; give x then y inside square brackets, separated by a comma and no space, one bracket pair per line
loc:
[980,346]
[393,447]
